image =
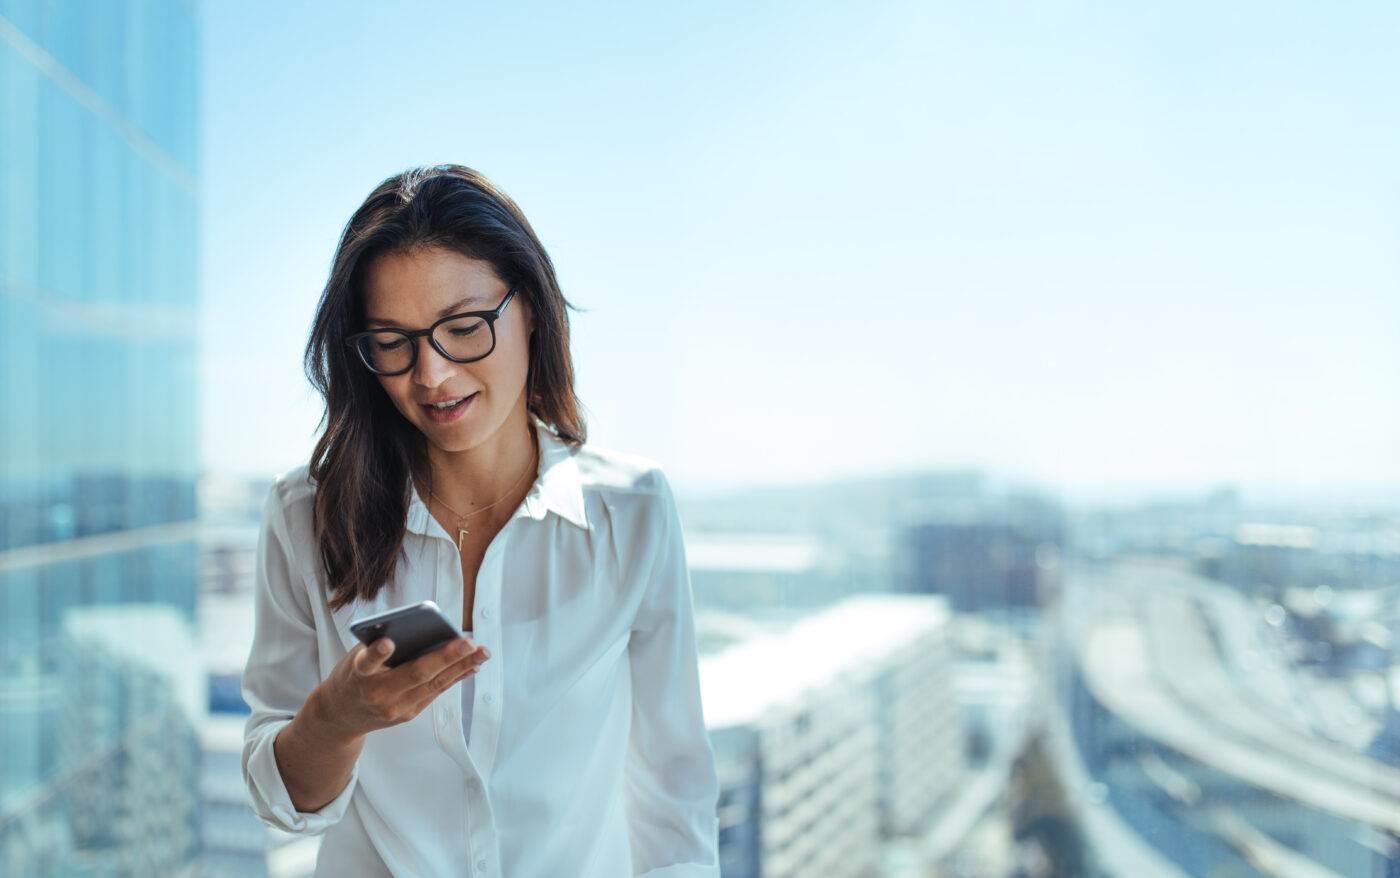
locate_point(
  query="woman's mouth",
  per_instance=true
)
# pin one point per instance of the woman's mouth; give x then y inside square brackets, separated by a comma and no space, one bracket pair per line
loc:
[448,410]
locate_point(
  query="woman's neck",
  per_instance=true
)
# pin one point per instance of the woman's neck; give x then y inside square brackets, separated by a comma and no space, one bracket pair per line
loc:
[473,480]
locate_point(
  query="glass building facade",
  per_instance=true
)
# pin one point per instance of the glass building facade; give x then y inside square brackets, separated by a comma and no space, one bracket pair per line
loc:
[100,689]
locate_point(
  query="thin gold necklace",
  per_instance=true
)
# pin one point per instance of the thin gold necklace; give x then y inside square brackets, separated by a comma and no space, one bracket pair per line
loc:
[462,519]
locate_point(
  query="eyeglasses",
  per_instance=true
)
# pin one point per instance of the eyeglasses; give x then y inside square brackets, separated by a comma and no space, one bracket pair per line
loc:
[461,338]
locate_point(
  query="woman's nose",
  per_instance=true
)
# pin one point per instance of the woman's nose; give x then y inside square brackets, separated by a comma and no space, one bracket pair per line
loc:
[432,368]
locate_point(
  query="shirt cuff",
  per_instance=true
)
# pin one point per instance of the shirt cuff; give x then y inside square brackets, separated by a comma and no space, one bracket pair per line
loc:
[682,870]
[273,804]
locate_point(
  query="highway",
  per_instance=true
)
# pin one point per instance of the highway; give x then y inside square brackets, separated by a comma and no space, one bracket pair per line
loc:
[1204,722]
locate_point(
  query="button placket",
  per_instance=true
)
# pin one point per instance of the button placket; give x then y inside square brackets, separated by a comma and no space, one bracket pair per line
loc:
[491,676]
[481,825]
[446,709]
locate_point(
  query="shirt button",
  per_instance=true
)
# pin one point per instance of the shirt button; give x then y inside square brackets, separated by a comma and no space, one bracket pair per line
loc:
[485,612]
[489,698]
[481,865]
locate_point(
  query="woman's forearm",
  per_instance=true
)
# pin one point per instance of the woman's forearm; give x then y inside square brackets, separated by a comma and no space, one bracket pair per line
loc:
[314,757]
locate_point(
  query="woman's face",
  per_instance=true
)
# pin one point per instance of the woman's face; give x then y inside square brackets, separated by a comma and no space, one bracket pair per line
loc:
[412,291]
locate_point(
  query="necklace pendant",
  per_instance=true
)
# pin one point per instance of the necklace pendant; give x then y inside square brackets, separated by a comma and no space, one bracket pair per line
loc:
[461,537]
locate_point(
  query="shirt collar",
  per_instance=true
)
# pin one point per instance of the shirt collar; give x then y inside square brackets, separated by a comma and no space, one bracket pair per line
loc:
[558,487]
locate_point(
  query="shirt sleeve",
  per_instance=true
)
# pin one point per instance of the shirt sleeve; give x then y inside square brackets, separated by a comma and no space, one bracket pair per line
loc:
[671,786]
[282,670]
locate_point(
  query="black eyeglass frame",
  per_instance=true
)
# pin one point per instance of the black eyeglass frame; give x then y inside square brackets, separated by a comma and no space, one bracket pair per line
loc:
[414,334]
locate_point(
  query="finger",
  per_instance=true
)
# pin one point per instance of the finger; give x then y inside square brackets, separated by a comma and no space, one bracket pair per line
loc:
[447,676]
[372,657]
[477,657]
[415,699]
[426,667]
[419,697]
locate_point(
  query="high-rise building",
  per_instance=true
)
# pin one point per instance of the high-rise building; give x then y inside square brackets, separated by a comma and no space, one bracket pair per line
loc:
[980,566]
[98,219]
[833,736]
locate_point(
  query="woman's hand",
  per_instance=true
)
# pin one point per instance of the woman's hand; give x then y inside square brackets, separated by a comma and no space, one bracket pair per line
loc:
[317,750]
[362,694]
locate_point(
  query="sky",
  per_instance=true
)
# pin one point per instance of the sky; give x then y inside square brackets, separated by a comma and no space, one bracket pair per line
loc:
[1080,244]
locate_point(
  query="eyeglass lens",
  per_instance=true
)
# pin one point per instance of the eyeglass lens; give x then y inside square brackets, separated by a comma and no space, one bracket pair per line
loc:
[465,338]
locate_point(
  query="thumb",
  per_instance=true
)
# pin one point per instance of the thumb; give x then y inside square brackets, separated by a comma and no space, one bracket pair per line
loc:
[373,656]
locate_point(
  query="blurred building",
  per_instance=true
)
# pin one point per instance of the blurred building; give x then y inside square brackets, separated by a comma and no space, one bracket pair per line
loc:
[1268,559]
[236,844]
[98,462]
[833,735]
[760,573]
[985,552]
[980,566]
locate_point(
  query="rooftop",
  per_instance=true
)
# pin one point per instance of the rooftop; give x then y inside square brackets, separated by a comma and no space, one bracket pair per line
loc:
[744,681]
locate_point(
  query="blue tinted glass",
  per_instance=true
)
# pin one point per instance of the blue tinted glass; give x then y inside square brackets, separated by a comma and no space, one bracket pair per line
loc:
[97,280]
[110,161]
[184,82]
[27,15]
[65,35]
[20,86]
[62,197]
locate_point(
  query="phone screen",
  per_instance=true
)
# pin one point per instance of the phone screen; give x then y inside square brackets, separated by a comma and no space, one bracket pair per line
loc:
[415,630]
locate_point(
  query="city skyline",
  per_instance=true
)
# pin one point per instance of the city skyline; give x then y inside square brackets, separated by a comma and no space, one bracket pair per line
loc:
[1023,373]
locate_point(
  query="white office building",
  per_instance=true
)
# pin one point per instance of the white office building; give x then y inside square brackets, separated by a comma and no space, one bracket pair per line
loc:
[832,735]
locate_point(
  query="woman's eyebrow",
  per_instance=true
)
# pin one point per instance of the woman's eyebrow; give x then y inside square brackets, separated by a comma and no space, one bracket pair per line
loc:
[461,304]
[455,307]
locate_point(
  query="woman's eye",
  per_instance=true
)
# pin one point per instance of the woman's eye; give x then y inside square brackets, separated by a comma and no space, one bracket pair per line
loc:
[460,332]
[391,345]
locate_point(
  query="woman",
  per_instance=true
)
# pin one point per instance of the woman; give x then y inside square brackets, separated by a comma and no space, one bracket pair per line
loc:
[562,735]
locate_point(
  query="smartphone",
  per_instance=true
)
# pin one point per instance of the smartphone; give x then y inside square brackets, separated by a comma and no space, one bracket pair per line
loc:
[416,630]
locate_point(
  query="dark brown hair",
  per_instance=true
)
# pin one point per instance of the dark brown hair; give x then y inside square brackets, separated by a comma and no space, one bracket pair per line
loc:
[367,453]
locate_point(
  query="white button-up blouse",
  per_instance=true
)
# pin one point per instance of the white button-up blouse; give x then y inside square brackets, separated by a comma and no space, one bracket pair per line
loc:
[588,754]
